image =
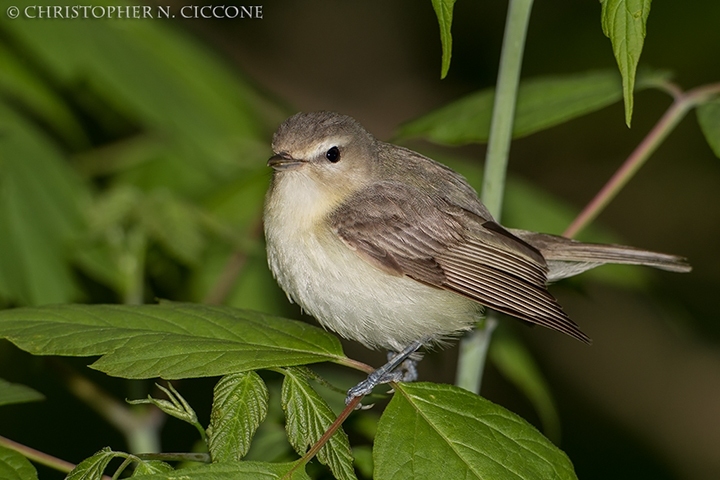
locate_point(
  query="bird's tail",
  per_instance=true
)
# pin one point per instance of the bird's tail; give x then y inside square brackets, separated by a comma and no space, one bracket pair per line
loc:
[568,257]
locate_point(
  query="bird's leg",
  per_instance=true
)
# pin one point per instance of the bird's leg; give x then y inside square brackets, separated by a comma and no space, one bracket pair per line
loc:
[408,369]
[387,373]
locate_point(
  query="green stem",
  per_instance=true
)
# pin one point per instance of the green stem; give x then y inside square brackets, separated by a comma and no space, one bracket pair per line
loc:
[176,457]
[504,107]
[474,346]
[133,267]
[126,463]
[683,103]
[473,353]
[349,362]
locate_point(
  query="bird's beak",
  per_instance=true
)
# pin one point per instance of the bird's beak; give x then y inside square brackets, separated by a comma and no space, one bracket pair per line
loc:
[284,161]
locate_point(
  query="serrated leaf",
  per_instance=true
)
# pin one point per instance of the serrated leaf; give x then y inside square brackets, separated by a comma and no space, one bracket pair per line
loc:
[270,443]
[240,403]
[170,340]
[308,418]
[176,406]
[543,102]
[444,12]
[234,471]
[151,467]
[442,431]
[14,466]
[16,393]
[624,22]
[513,359]
[92,468]
[708,115]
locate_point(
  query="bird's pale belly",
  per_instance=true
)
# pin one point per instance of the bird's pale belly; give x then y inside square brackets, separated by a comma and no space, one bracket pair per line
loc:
[348,295]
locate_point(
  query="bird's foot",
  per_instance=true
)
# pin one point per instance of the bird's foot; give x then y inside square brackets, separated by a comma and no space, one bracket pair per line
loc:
[399,368]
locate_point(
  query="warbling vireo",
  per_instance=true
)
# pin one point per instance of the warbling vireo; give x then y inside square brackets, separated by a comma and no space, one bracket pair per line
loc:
[390,248]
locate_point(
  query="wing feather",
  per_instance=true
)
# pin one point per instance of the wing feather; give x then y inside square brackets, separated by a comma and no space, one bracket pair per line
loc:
[406,232]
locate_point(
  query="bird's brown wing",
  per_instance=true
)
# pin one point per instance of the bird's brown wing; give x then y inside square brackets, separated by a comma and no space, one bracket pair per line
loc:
[405,232]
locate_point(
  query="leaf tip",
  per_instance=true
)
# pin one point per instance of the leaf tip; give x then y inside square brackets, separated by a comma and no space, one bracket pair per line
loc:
[628,110]
[444,70]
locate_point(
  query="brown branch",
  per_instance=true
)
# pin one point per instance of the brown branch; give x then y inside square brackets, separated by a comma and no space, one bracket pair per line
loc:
[40,457]
[683,103]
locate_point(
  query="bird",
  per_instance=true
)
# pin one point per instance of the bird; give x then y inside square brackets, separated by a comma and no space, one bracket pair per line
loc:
[394,250]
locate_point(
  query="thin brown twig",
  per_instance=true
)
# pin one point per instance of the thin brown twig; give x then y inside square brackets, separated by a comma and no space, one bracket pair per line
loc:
[310,454]
[357,365]
[681,105]
[39,457]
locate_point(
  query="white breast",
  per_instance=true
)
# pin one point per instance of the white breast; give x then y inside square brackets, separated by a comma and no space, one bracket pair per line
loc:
[341,290]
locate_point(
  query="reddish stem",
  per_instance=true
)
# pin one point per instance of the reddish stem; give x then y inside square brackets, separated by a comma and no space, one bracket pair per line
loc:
[349,408]
[682,104]
[40,457]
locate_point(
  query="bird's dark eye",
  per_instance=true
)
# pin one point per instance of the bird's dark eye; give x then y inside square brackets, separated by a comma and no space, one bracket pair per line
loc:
[333,154]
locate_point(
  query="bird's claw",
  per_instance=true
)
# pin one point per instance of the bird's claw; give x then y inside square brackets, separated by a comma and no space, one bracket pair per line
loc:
[399,368]
[378,377]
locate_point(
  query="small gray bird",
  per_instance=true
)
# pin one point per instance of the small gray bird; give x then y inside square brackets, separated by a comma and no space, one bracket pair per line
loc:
[392,249]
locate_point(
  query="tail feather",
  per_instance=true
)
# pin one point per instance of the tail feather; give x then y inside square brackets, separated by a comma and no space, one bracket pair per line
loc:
[568,257]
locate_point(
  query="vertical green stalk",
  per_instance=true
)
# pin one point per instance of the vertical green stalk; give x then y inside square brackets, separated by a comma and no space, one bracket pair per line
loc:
[473,347]
[132,264]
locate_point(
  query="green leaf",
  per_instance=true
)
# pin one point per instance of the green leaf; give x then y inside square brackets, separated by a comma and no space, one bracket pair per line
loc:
[708,115]
[170,340]
[40,212]
[240,403]
[176,406]
[543,102]
[234,471]
[93,468]
[16,393]
[19,82]
[442,431]
[308,418]
[14,466]
[171,87]
[150,467]
[270,443]
[517,364]
[444,12]
[623,22]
